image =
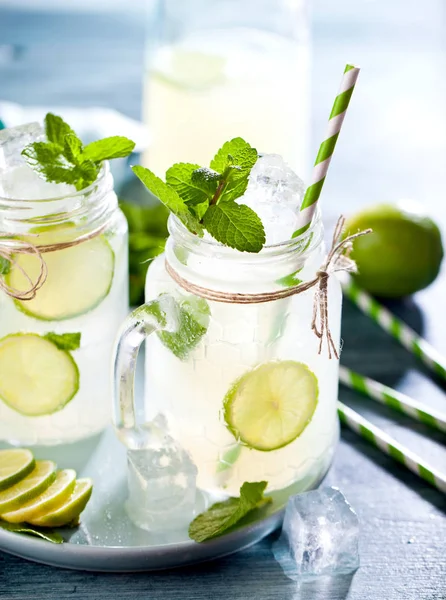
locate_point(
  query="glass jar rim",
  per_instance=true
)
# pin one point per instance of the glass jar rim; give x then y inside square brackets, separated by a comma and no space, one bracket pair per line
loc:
[10,202]
[303,244]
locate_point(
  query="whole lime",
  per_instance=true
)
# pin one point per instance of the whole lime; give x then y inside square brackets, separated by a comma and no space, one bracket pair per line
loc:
[402,255]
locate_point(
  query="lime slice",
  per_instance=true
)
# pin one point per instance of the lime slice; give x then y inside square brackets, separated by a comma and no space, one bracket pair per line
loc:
[15,464]
[68,512]
[54,495]
[41,477]
[270,406]
[36,378]
[79,277]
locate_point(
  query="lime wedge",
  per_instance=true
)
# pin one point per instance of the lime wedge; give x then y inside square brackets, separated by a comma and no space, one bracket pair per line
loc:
[54,495]
[270,406]
[79,277]
[41,477]
[68,512]
[15,464]
[36,378]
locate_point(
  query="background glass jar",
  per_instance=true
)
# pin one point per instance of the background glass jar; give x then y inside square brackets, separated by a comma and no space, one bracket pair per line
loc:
[194,372]
[219,69]
[55,388]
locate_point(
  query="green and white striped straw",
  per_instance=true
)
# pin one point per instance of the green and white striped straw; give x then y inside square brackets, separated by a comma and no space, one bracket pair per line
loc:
[393,325]
[326,149]
[391,447]
[392,398]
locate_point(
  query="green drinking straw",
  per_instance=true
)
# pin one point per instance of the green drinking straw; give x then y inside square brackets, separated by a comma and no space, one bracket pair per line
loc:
[326,149]
[397,328]
[391,447]
[392,398]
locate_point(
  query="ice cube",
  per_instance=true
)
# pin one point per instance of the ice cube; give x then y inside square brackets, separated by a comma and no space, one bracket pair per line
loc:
[275,193]
[17,179]
[319,535]
[14,139]
[22,183]
[161,483]
[275,181]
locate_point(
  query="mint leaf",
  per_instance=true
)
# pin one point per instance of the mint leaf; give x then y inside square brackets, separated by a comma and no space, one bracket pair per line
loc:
[206,179]
[290,280]
[64,341]
[46,534]
[72,148]
[56,129]
[179,177]
[222,516]
[169,197]
[192,323]
[5,265]
[239,154]
[42,152]
[108,148]
[192,319]
[199,210]
[235,225]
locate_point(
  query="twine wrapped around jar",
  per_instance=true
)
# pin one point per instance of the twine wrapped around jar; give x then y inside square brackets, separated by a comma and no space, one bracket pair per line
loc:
[337,260]
[11,247]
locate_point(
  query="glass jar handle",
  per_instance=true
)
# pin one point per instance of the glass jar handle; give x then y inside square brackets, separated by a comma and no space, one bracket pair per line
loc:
[158,315]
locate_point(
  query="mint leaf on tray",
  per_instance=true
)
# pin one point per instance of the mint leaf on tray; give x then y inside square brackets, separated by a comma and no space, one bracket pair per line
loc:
[46,534]
[222,516]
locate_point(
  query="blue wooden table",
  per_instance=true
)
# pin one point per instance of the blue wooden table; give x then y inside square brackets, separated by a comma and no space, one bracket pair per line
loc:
[393,146]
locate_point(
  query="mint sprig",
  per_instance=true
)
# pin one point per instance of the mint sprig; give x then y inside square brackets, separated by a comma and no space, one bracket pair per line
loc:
[205,196]
[64,159]
[222,516]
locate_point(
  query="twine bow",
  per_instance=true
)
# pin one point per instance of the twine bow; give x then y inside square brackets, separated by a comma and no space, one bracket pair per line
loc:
[10,247]
[337,260]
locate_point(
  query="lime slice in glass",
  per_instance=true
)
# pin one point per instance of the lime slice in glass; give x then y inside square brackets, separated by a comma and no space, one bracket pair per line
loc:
[270,406]
[54,495]
[15,464]
[41,477]
[79,277]
[68,512]
[36,378]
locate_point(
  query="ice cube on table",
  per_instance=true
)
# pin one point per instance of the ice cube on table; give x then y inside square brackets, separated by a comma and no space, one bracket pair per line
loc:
[14,139]
[319,536]
[161,484]
[275,193]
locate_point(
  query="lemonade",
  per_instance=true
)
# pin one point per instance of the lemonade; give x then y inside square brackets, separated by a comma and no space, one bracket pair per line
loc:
[56,344]
[238,394]
[219,84]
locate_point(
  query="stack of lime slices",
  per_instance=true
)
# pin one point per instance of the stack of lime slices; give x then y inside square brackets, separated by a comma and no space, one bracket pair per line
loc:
[35,492]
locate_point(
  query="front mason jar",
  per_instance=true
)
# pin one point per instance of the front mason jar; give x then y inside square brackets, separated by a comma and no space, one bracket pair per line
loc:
[248,396]
[55,349]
